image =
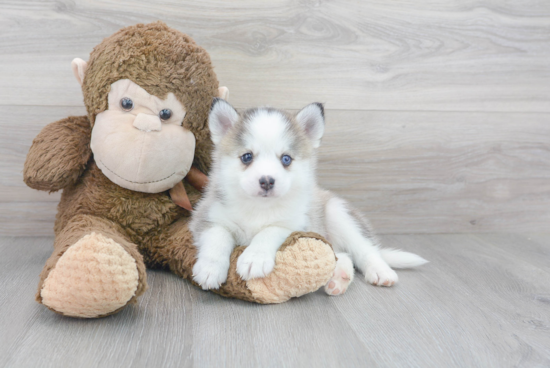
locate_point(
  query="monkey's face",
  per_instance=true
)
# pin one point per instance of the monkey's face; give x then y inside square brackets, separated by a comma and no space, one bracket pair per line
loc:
[139,142]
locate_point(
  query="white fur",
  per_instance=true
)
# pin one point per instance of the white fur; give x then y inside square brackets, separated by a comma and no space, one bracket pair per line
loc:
[212,264]
[236,211]
[342,277]
[308,118]
[221,120]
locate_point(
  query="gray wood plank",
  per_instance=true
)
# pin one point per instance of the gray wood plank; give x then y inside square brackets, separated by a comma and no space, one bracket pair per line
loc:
[481,55]
[532,248]
[410,172]
[173,325]
[21,262]
[440,172]
[474,304]
[302,332]
[156,332]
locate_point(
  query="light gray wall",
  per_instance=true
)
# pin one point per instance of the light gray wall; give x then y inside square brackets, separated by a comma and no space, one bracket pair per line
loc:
[437,112]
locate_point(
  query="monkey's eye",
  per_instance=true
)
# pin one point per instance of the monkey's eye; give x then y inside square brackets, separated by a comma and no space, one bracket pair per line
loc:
[246,158]
[286,160]
[126,104]
[165,114]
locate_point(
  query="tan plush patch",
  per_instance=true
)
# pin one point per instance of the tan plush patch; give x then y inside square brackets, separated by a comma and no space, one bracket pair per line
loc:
[128,145]
[94,277]
[300,268]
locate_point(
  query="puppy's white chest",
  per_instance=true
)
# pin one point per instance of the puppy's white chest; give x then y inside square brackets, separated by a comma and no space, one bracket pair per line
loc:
[247,229]
[245,223]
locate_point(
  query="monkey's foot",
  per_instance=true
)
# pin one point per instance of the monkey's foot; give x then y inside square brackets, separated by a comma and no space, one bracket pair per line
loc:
[95,277]
[303,264]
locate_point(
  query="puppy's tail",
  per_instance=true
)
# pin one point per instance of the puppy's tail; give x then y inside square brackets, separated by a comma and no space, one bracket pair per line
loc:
[399,259]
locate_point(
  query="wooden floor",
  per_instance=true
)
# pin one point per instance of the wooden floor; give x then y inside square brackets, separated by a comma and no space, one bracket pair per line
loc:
[482,301]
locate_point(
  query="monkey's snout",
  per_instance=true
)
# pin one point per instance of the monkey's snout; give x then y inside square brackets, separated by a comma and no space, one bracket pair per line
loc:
[148,123]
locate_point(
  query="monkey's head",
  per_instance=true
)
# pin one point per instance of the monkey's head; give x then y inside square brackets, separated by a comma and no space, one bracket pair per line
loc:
[148,91]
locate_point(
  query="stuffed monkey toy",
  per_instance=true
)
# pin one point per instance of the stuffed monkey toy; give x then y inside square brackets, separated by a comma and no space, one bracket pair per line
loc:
[130,172]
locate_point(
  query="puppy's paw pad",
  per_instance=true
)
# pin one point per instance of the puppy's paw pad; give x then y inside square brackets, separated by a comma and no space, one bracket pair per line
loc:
[252,265]
[339,283]
[210,274]
[381,275]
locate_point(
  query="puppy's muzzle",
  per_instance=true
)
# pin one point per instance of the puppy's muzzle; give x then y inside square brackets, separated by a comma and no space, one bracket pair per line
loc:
[267,183]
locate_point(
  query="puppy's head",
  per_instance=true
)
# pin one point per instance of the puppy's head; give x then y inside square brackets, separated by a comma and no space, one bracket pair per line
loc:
[265,152]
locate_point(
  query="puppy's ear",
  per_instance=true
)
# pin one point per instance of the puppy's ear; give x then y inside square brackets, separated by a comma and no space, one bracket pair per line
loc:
[312,120]
[222,117]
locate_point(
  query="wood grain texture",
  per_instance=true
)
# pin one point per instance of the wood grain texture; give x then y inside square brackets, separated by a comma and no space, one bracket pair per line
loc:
[410,172]
[479,303]
[481,55]
[441,171]
[454,143]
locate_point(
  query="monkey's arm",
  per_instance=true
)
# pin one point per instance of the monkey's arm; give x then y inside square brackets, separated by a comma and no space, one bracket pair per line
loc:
[58,154]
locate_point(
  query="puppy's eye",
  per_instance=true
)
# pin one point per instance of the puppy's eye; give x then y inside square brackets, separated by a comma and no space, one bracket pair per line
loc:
[286,160]
[165,114]
[246,158]
[126,104]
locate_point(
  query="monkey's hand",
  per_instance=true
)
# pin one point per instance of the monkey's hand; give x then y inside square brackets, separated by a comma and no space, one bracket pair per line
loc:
[58,154]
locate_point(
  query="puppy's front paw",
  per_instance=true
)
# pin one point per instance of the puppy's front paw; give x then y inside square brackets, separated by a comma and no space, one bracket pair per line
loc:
[210,273]
[380,274]
[253,264]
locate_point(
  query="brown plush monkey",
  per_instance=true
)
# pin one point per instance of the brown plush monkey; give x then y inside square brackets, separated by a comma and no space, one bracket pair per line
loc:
[147,91]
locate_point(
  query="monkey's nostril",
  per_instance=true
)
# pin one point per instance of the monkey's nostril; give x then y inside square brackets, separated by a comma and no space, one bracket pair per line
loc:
[267,183]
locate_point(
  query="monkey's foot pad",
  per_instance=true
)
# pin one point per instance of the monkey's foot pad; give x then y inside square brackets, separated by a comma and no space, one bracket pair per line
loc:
[94,277]
[304,263]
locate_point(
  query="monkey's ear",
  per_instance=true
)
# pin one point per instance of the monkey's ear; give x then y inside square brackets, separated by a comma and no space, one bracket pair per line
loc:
[223,92]
[222,117]
[79,68]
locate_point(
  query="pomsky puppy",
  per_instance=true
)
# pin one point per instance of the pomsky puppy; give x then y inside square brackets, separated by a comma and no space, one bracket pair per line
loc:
[262,187]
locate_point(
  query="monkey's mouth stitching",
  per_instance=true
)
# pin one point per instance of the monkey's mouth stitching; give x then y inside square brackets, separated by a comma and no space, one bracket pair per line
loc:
[136,182]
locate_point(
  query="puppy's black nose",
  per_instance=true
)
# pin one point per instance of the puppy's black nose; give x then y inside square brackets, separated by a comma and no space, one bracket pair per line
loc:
[267,183]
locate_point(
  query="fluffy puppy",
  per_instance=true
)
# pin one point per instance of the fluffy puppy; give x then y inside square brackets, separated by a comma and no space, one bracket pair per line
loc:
[263,187]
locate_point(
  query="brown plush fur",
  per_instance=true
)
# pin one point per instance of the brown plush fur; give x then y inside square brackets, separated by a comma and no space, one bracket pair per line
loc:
[45,168]
[160,60]
[150,227]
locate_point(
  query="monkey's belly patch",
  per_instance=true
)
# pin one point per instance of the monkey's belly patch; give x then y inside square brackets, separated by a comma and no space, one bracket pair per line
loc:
[94,277]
